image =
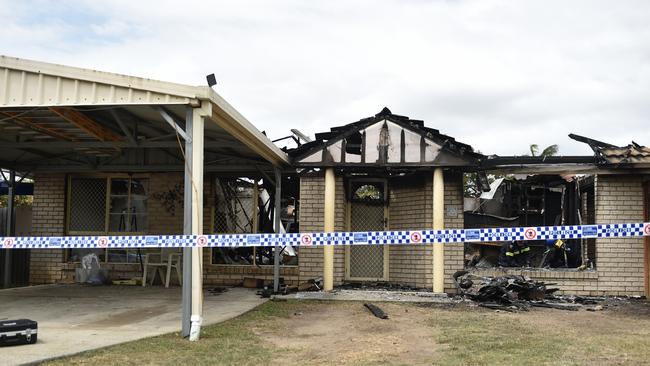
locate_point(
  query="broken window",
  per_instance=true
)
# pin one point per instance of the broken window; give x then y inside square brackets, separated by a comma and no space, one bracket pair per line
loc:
[531,201]
[236,206]
[243,207]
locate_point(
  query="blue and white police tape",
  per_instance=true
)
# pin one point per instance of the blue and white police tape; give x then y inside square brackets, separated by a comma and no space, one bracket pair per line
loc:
[401,237]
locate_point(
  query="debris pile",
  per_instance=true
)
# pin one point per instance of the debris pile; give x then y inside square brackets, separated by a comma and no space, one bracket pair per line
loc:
[514,293]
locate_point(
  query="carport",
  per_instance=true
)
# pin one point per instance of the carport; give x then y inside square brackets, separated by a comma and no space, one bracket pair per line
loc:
[60,119]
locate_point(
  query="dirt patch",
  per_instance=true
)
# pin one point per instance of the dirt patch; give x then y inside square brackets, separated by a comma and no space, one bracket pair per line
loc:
[317,333]
[639,308]
[348,333]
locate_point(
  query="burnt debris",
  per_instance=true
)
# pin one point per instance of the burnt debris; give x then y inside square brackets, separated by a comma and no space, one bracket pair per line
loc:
[514,293]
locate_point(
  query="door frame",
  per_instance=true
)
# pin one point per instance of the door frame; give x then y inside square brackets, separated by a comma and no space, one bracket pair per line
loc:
[348,220]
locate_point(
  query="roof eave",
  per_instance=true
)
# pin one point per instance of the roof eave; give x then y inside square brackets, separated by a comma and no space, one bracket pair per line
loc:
[237,125]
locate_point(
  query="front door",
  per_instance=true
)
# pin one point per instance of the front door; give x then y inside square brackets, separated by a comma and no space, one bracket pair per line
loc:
[367,211]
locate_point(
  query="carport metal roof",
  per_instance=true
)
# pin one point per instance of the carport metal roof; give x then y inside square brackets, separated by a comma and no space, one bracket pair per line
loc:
[60,118]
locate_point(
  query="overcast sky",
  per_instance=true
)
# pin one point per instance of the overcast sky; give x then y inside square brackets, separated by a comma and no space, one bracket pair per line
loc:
[499,75]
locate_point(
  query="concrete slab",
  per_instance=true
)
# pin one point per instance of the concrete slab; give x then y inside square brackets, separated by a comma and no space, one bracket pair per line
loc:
[77,318]
[372,295]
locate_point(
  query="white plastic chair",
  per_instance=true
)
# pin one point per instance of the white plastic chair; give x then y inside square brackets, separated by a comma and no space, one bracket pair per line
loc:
[167,260]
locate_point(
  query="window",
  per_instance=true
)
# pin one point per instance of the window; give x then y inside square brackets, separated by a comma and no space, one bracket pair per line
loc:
[242,207]
[236,212]
[107,206]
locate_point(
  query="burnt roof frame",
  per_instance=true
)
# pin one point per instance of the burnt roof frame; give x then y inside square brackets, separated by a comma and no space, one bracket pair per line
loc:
[406,123]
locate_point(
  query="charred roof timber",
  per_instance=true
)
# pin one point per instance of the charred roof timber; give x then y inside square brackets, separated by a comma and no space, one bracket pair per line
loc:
[385,140]
[616,155]
[607,158]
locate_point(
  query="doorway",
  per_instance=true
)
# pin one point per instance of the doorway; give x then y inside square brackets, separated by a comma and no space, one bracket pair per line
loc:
[367,210]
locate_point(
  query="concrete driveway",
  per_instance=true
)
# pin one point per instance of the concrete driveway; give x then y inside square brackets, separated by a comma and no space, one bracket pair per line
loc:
[76,318]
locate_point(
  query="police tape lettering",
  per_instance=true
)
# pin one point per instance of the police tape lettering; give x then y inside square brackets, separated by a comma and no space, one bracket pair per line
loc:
[401,237]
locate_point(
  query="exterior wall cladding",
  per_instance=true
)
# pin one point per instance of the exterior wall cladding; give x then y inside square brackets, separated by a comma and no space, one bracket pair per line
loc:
[51,266]
[619,261]
[410,207]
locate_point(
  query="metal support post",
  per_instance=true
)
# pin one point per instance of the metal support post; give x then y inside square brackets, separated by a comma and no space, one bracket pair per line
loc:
[277,250]
[187,230]
[197,137]
[10,227]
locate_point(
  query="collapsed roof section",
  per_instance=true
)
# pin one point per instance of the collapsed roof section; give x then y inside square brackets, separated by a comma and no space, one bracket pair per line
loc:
[616,155]
[384,140]
[607,159]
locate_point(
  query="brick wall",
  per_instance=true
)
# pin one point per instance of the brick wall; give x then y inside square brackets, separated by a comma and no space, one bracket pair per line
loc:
[48,219]
[410,207]
[50,266]
[454,219]
[619,263]
[311,211]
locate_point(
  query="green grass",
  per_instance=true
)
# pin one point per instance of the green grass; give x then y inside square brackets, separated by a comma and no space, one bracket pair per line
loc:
[228,343]
[482,339]
[459,336]
[487,338]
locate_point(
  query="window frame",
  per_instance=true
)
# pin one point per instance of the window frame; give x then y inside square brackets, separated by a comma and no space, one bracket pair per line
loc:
[108,177]
[254,228]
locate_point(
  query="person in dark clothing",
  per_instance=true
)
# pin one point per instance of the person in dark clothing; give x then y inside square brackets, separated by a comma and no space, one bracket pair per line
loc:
[555,255]
[514,254]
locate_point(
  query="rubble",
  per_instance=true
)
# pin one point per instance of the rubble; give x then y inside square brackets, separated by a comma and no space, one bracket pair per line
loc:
[516,293]
[380,286]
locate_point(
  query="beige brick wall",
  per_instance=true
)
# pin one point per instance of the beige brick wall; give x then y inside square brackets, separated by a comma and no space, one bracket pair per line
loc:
[619,260]
[619,199]
[410,207]
[312,190]
[48,219]
[49,266]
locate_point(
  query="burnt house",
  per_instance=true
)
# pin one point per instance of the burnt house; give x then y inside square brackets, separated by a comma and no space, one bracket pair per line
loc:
[612,186]
[385,172]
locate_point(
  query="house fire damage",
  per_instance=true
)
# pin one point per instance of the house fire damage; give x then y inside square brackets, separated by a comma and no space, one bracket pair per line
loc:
[523,200]
[110,165]
[518,293]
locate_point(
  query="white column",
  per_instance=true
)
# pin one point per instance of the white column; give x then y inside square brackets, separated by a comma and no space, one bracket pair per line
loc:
[197,221]
[438,224]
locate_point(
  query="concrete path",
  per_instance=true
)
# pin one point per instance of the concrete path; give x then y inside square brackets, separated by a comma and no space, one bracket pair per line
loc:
[373,295]
[76,318]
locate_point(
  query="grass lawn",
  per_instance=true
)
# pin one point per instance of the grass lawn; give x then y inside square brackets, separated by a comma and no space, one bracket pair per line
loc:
[315,333]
